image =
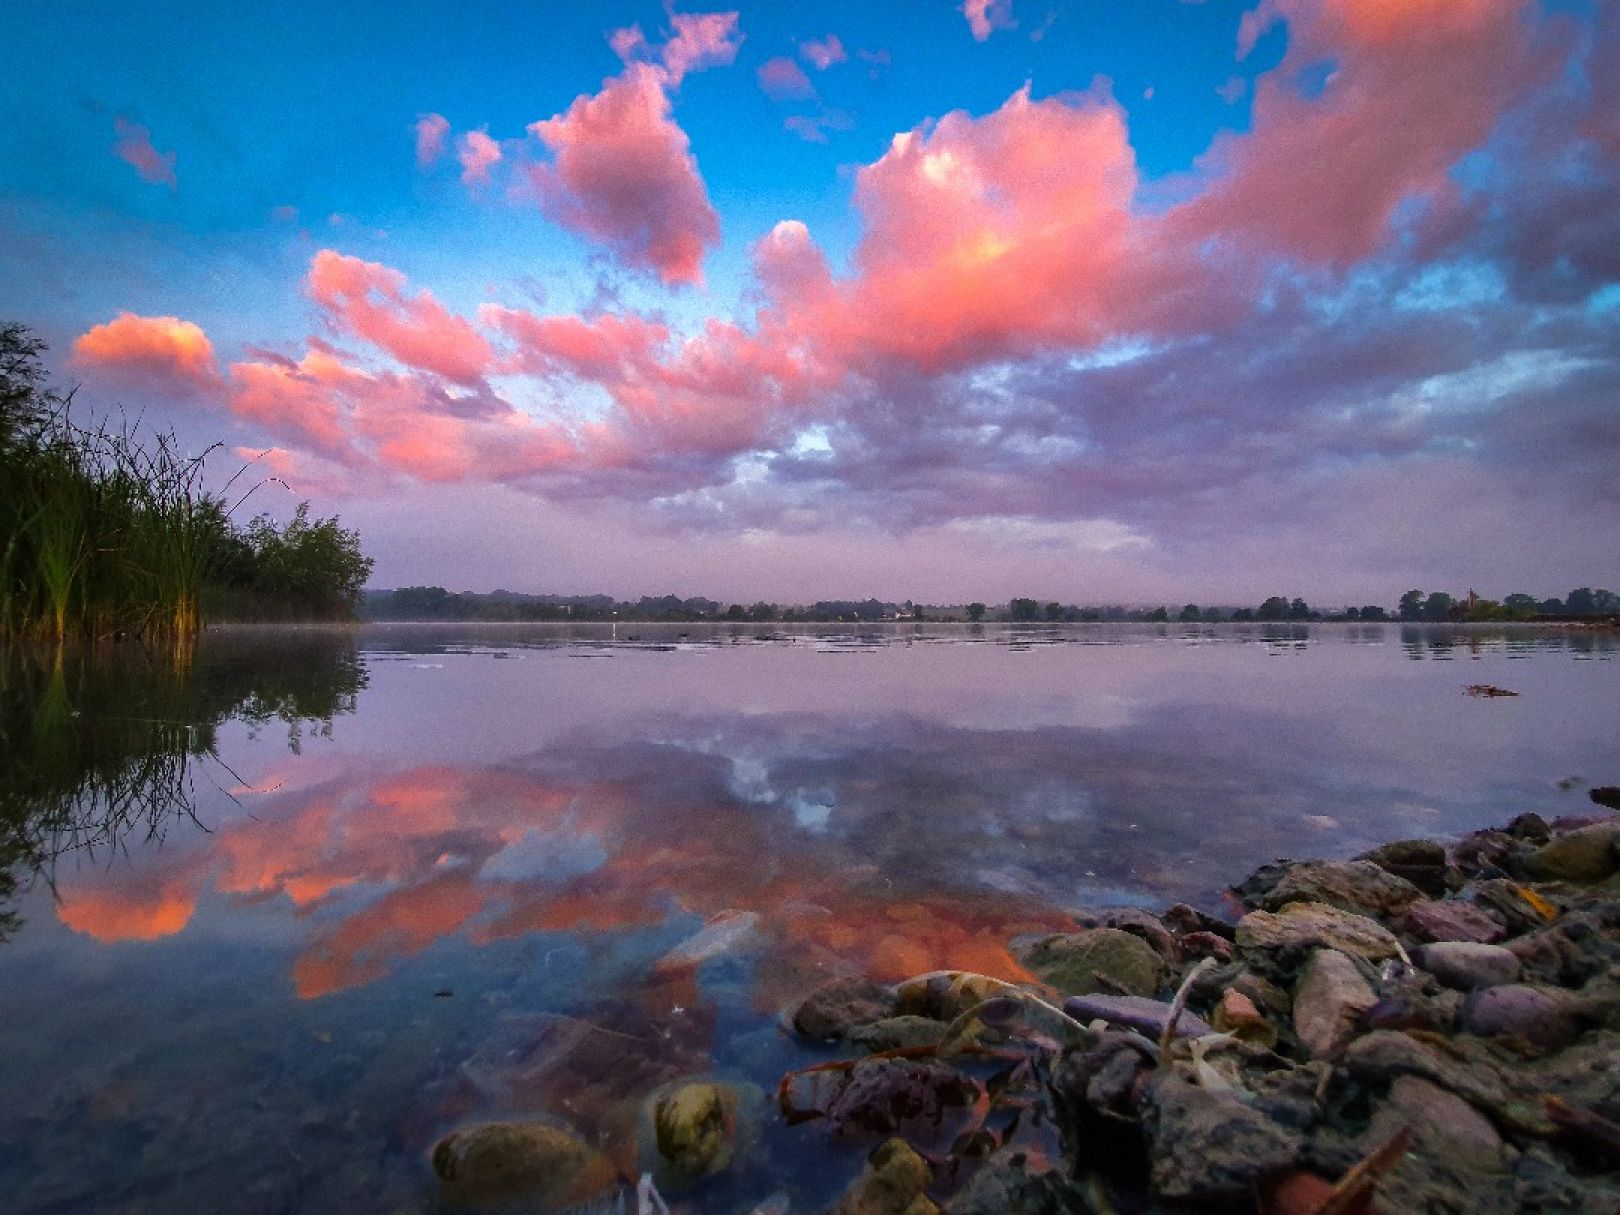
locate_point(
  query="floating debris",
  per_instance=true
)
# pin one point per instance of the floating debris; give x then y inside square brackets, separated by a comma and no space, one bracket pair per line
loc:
[1487,689]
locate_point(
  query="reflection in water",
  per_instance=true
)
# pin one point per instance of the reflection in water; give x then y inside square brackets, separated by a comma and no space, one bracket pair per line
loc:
[102,746]
[338,902]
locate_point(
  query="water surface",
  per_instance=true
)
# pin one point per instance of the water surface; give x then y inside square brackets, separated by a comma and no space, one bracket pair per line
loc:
[289,908]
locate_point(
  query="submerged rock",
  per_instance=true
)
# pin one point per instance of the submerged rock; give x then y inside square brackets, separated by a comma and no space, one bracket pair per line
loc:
[883,1095]
[1096,960]
[533,1161]
[1357,886]
[1466,965]
[1329,1002]
[897,1033]
[1587,854]
[693,1129]
[894,1182]
[835,1008]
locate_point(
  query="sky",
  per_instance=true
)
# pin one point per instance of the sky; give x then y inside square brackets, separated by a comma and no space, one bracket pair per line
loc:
[1159,301]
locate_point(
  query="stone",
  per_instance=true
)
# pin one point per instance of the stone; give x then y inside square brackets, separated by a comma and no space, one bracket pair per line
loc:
[835,1008]
[883,1095]
[1237,1015]
[898,1033]
[1095,960]
[944,995]
[1409,998]
[1145,1016]
[1182,919]
[1209,1146]
[1521,909]
[694,1130]
[1466,965]
[894,1182]
[1197,945]
[1421,862]
[1530,826]
[1448,1123]
[1139,923]
[1358,886]
[1005,1185]
[1284,940]
[1606,795]
[1329,1002]
[1587,854]
[1452,920]
[535,1161]
[1382,1055]
[1541,1016]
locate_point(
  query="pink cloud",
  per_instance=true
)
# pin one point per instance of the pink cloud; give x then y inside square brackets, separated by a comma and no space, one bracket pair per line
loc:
[1415,84]
[431,130]
[134,145]
[161,348]
[813,128]
[478,154]
[624,175]
[368,300]
[822,53]
[783,80]
[697,41]
[986,16]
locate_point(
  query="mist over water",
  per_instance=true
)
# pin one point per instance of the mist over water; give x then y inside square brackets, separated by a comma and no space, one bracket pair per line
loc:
[289,908]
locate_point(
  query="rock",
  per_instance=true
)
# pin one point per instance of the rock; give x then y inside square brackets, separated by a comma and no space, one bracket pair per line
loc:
[1519,907]
[1139,923]
[1006,1185]
[1421,862]
[1329,1002]
[1197,945]
[693,1127]
[535,1161]
[1073,962]
[1281,942]
[1409,998]
[944,995]
[1466,965]
[897,1033]
[1237,1015]
[1145,1016]
[1452,920]
[1448,1123]
[1586,1075]
[835,1008]
[1581,946]
[1606,795]
[882,1095]
[1530,827]
[1358,886]
[1379,1057]
[1183,919]
[1541,1016]
[1587,854]
[1211,1147]
[894,1182]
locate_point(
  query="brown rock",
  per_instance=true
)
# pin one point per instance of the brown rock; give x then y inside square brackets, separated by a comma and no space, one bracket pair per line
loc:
[1465,965]
[835,1008]
[1096,960]
[1237,1015]
[894,1182]
[1587,854]
[1329,1003]
[1451,920]
[1358,886]
[535,1161]
[1288,937]
[1448,1123]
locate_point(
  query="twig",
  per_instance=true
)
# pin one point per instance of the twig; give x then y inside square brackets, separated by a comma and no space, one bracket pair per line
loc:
[1179,1004]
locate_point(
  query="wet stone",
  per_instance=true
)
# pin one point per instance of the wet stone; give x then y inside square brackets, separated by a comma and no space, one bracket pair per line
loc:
[1096,960]
[1421,862]
[1541,1016]
[1329,1002]
[1358,886]
[1286,939]
[534,1161]
[894,1182]
[694,1127]
[1453,920]
[835,1008]
[1209,1146]
[898,1033]
[1587,854]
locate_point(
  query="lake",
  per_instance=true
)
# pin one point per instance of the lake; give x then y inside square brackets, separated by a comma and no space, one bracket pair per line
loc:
[290,907]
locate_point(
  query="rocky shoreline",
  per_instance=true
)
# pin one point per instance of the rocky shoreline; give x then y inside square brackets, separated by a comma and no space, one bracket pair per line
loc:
[1427,1028]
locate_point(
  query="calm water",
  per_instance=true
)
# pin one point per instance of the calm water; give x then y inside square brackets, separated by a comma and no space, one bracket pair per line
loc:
[286,913]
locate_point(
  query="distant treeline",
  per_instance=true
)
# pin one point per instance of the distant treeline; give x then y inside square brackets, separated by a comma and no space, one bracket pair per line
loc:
[436,603]
[104,531]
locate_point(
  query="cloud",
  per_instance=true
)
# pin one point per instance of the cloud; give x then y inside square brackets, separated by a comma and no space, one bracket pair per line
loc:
[783,80]
[431,130]
[813,128]
[155,348]
[368,300]
[134,146]
[478,153]
[696,41]
[623,174]
[986,16]
[823,53]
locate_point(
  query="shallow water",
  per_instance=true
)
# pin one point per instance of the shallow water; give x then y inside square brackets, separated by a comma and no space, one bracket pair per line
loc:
[295,906]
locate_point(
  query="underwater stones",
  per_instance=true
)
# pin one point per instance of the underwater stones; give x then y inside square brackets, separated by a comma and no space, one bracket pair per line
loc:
[1210,1146]
[1587,854]
[897,1033]
[1541,1016]
[1285,939]
[1006,1185]
[835,1008]
[1147,1017]
[1096,960]
[1466,965]
[944,995]
[1421,862]
[1450,920]
[534,1161]
[1357,886]
[694,1129]
[882,1095]
[1329,1002]
[894,1182]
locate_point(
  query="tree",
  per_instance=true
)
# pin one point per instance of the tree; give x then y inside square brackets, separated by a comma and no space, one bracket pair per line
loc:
[1373,612]
[1411,607]
[1299,610]
[975,612]
[1520,604]
[1158,615]
[1243,615]
[1275,608]
[26,404]
[1190,614]
[1024,610]
[1054,611]
[762,612]
[1581,602]
[1437,606]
